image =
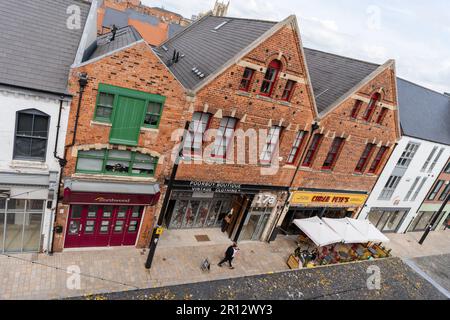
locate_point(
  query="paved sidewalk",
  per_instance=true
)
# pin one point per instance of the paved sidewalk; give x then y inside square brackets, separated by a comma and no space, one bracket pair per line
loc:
[407,245]
[32,276]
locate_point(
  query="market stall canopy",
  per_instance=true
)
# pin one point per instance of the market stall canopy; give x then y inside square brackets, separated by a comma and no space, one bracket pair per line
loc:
[318,231]
[369,231]
[346,230]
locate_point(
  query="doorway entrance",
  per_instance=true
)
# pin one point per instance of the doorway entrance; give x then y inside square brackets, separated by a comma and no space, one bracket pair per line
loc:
[103,226]
[255,223]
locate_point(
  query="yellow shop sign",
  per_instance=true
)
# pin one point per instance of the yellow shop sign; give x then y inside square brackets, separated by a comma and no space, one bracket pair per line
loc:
[324,198]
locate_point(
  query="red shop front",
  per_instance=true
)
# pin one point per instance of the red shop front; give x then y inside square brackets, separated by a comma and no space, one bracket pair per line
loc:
[105,219]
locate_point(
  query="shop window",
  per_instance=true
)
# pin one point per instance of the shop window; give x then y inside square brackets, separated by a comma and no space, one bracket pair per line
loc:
[390,187]
[153,115]
[295,151]
[356,109]
[408,155]
[367,154]
[433,165]
[288,90]
[376,97]
[333,154]
[116,162]
[104,109]
[435,190]
[197,128]
[312,150]
[378,160]
[382,115]
[31,135]
[224,136]
[246,79]
[270,78]
[271,145]
[445,193]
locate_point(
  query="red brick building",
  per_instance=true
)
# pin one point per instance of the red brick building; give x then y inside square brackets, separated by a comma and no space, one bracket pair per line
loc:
[118,143]
[358,127]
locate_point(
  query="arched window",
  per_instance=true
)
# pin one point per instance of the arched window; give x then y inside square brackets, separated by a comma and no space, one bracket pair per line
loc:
[270,78]
[31,135]
[376,97]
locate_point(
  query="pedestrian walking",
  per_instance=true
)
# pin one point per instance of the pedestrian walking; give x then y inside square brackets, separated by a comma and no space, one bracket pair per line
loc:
[230,254]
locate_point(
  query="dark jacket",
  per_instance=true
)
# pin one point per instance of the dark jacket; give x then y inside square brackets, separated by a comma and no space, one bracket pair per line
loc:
[229,253]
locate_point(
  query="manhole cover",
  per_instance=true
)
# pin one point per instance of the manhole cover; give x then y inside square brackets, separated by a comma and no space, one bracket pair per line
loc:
[202,238]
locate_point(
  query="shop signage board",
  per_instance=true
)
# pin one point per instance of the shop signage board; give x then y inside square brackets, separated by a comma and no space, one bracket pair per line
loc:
[309,198]
[110,198]
[217,187]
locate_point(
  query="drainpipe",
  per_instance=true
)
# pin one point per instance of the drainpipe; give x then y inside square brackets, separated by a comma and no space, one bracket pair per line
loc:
[314,127]
[82,81]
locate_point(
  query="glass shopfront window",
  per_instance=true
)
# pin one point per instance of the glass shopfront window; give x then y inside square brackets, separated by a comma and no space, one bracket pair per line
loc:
[422,220]
[190,212]
[20,225]
[387,220]
[255,223]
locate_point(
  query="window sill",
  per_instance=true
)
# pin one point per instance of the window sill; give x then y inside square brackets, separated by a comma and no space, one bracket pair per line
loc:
[98,123]
[151,130]
[112,178]
[289,166]
[31,164]
[243,93]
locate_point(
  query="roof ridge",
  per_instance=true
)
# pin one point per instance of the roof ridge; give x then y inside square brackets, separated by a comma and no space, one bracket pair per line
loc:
[423,87]
[345,57]
[247,19]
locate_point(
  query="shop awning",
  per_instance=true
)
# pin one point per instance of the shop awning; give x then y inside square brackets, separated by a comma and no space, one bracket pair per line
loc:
[346,230]
[370,232]
[111,187]
[318,231]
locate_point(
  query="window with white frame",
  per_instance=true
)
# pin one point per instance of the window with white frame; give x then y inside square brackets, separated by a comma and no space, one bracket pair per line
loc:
[408,155]
[427,163]
[295,151]
[411,190]
[194,140]
[433,165]
[224,136]
[271,144]
[416,194]
[390,187]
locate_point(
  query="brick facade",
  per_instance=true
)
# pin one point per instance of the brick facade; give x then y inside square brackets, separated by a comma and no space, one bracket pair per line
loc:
[137,68]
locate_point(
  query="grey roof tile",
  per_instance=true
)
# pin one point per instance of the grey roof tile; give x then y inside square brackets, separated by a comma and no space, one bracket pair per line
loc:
[36,47]
[132,14]
[332,76]
[124,37]
[113,16]
[424,113]
[209,50]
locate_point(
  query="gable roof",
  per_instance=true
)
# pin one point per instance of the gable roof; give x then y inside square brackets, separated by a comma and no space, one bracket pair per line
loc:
[332,75]
[424,113]
[124,37]
[207,49]
[36,47]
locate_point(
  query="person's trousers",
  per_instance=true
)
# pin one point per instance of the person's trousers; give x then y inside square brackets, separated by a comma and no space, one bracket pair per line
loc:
[225,260]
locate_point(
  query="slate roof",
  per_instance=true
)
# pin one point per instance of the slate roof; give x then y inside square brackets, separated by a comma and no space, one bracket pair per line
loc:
[104,45]
[174,29]
[208,50]
[36,47]
[424,113]
[117,17]
[332,75]
[132,14]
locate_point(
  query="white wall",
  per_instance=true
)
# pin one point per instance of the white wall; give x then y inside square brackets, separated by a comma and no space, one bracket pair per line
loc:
[11,101]
[413,171]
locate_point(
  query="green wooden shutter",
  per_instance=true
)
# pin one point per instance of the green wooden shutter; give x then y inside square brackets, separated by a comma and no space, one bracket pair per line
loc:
[128,117]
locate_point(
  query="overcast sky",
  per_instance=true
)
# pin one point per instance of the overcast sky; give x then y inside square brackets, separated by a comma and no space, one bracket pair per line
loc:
[416,33]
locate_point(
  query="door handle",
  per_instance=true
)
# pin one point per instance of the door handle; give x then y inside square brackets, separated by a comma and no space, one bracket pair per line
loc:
[81,228]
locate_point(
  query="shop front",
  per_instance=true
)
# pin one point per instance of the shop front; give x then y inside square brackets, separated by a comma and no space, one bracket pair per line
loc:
[26,202]
[426,215]
[109,218]
[240,210]
[306,204]
[388,220]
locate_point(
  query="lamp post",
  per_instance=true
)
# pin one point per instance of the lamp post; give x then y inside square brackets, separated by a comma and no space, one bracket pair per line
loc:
[155,235]
[435,219]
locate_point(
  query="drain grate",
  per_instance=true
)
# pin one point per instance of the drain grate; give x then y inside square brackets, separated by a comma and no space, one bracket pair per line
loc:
[202,238]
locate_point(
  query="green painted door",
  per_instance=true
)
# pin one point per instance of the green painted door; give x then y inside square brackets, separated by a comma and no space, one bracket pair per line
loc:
[127,121]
